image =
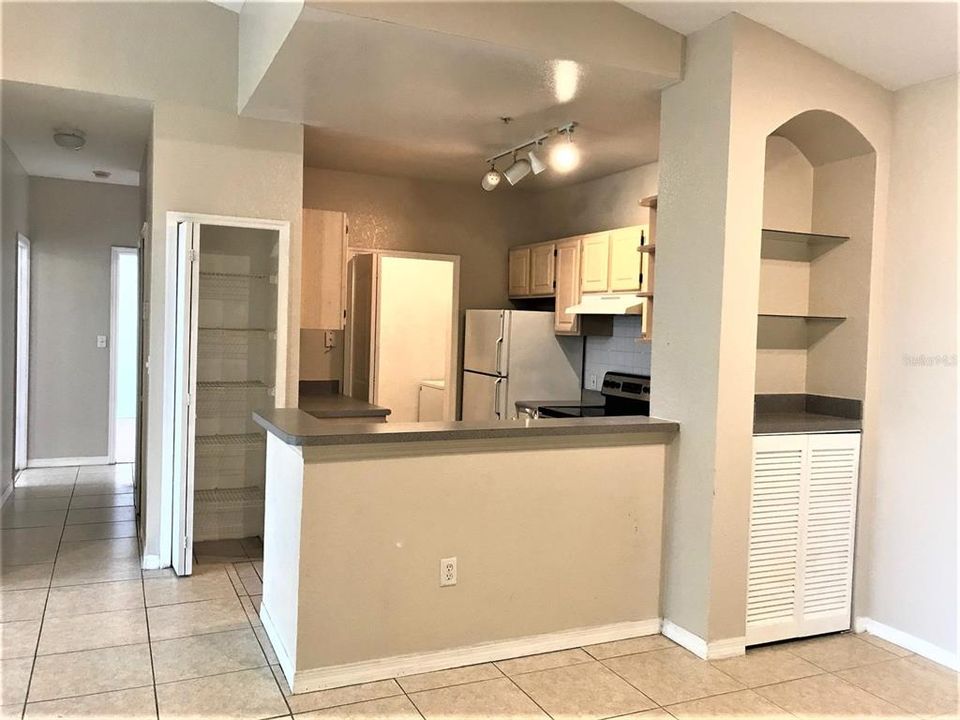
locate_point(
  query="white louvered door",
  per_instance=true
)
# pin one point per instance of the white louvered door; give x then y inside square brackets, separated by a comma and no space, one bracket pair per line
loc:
[779,466]
[802,520]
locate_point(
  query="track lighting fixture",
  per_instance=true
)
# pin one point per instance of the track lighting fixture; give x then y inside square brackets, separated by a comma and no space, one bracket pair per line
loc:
[564,157]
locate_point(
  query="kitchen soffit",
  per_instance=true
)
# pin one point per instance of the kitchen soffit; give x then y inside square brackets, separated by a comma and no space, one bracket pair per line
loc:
[392,99]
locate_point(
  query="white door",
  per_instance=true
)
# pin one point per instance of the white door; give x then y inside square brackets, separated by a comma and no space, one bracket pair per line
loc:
[802,522]
[486,345]
[185,382]
[484,397]
[23,352]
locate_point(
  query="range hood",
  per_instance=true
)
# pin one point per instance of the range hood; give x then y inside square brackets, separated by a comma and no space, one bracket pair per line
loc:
[598,304]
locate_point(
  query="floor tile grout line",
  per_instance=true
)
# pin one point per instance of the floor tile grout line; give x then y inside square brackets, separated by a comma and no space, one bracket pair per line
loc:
[146,615]
[836,674]
[53,570]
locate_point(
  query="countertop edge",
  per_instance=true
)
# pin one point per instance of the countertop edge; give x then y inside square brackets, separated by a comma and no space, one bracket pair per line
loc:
[362,434]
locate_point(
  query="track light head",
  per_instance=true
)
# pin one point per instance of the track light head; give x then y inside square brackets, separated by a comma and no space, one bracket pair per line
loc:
[517,171]
[536,164]
[565,156]
[491,179]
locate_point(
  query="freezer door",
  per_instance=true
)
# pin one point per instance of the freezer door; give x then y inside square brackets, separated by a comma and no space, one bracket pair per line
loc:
[486,345]
[484,397]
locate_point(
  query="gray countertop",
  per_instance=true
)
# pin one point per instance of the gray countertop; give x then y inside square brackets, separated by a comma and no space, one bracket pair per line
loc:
[775,423]
[296,427]
[339,406]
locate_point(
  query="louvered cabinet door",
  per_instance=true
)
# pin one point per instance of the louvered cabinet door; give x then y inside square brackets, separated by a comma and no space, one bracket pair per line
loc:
[779,467]
[830,504]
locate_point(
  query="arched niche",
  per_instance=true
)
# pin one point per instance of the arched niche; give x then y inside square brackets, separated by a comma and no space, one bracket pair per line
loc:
[815,273]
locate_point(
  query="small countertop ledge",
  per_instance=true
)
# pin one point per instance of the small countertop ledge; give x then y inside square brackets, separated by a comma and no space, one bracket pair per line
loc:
[784,423]
[296,427]
[339,406]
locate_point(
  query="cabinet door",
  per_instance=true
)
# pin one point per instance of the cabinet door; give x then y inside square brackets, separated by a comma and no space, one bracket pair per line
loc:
[518,274]
[542,262]
[595,263]
[625,259]
[323,258]
[830,501]
[779,467]
[568,285]
[802,522]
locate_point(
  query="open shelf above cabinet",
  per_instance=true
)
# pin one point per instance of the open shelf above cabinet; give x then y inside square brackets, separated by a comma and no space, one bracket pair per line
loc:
[794,245]
[789,316]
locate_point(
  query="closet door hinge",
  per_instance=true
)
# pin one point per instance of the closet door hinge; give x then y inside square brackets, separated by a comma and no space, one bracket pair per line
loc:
[194,255]
[186,542]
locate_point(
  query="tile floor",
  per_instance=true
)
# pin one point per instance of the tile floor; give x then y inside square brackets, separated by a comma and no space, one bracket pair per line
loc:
[84,633]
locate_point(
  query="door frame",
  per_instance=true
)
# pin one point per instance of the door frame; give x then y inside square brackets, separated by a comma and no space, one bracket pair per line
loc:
[115,252]
[452,379]
[22,357]
[175,480]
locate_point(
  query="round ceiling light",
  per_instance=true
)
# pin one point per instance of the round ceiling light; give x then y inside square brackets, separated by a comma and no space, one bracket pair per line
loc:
[70,139]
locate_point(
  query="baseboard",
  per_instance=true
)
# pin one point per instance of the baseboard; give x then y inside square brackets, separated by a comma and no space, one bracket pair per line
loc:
[279,649]
[67,461]
[907,642]
[400,665]
[150,562]
[716,650]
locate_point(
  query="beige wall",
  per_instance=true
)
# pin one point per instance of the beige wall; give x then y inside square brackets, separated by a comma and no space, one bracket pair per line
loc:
[205,161]
[907,558]
[743,81]
[13,219]
[587,534]
[73,226]
[390,213]
[601,204]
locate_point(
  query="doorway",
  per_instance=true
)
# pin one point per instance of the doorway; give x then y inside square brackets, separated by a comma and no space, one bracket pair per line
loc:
[400,349]
[23,353]
[124,352]
[228,313]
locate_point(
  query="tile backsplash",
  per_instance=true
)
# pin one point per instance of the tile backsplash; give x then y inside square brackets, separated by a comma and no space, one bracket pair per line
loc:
[621,352]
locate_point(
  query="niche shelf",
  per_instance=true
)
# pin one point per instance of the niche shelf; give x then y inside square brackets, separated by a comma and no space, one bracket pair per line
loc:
[795,245]
[812,318]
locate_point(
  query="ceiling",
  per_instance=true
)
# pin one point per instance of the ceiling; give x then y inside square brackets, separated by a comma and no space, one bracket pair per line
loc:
[895,44]
[390,99]
[117,132]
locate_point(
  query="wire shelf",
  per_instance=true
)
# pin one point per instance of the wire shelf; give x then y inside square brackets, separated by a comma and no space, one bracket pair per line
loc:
[222,441]
[233,385]
[227,498]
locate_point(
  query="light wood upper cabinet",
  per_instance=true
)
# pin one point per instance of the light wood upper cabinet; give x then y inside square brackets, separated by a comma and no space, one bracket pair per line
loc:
[568,285]
[595,263]
[518,275]
[625,260]
[542,269]
[323,259]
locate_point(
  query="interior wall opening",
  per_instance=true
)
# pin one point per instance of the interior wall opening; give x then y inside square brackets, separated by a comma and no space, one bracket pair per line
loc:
[125,353]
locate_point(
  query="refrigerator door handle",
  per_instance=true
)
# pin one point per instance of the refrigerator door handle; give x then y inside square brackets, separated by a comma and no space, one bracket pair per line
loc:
[496,398]
[499,354]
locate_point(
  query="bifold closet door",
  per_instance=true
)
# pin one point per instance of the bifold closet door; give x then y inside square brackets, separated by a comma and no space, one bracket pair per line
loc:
[802,521]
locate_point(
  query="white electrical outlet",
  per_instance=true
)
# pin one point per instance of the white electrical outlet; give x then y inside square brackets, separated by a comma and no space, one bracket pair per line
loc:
[448,571]
[101,341]
[593,381]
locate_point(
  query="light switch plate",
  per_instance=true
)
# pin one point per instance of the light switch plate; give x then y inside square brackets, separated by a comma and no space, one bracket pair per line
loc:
[101,341]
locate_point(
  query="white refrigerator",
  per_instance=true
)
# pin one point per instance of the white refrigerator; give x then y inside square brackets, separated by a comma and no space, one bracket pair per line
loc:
[511,355]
